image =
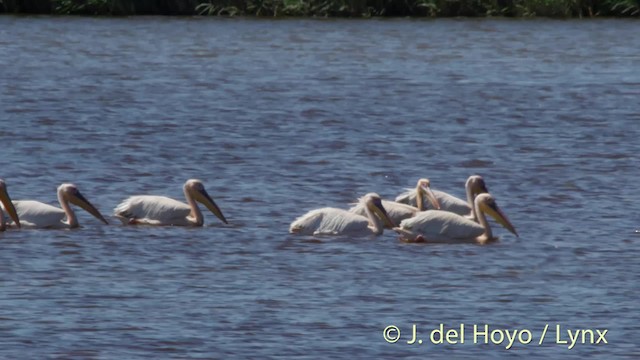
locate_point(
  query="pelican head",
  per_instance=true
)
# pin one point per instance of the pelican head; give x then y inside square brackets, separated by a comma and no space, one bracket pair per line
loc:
[71,193]
[489,206]
[477,185]
[424,189]
[196,189]
[374,203]
[8,204]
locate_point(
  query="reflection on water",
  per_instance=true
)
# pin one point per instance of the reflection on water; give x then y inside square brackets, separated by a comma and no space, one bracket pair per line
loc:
[279,117]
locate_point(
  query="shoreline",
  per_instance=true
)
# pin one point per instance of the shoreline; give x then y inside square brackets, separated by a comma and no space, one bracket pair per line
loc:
[356,9]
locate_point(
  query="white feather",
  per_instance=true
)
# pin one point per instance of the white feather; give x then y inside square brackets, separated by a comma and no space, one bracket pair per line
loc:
[34,214]
[442,226]
[153,210]
[447,202]
[330,221]
[333,221]
[396,211]
[161,210]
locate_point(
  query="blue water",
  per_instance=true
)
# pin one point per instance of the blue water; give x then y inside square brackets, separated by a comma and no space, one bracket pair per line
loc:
[280,117]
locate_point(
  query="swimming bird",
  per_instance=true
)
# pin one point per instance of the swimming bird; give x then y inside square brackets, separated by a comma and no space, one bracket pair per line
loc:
[474,185]
[8,205]
[444,226]
[334,221]
[397,211]
[35,214]
[161,210]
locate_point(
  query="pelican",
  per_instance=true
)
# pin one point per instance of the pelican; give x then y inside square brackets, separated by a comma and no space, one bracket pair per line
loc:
[8,205]
[333,221]
[397,211]
[475,185]
[34,214]
[161,210]
[444,226]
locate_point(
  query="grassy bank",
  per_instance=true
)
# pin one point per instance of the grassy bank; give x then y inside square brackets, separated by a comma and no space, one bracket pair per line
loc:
[341,8]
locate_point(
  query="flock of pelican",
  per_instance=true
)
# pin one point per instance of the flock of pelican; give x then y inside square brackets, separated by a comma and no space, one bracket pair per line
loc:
[417,215]
[141,209]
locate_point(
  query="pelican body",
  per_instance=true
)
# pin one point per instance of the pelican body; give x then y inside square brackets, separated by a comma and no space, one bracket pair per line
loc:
[444,226]
[8,205]
[397,211]
[333,221]
[161,210]
[474,185]
[35,214]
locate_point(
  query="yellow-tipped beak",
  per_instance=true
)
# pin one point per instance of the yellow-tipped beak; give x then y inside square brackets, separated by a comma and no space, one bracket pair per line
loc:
[431,197]
[8,206]
[80,200]
[382,213]
[206,200]
[501,218]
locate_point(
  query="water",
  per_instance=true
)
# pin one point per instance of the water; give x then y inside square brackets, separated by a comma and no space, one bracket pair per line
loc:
[280,117]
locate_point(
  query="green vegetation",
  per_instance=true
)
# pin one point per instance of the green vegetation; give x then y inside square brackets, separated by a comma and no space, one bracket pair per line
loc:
[342,8]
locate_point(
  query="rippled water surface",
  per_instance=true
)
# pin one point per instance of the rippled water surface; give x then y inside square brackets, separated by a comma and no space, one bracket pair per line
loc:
[280,117]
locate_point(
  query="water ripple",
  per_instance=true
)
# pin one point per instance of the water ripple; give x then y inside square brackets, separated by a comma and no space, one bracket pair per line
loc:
[277,121]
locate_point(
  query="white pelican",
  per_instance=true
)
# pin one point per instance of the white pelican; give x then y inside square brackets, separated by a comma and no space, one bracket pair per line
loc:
[161,210]
[397,211]
[333,221]
[475,185]
[34,214]
[8,205]
[444,226]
